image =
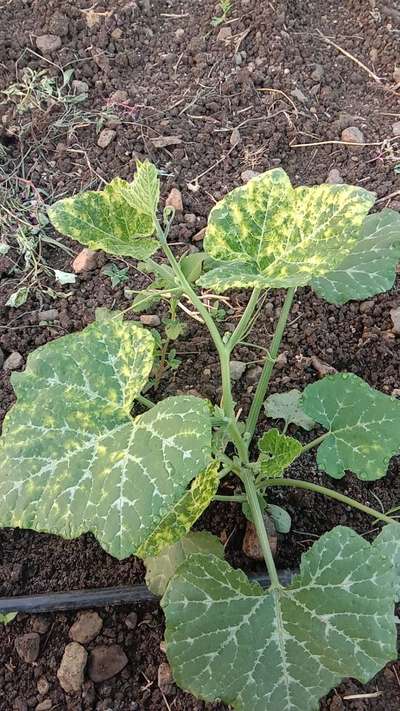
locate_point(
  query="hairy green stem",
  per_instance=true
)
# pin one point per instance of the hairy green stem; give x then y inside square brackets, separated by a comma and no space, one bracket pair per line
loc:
[241,328]
[315,442]
[235,497]
[145,401]
[298,484]
[263,383]
[252,498]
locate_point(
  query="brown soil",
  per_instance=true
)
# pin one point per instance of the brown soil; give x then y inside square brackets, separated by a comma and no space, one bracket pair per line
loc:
[183,81]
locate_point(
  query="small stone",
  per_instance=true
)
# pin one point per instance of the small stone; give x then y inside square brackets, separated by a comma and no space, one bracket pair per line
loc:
[317,73]
[71,669]
[374,54]
[119,96]
[131,620]
[40,624]
[395,316]
[117,33]
[48,43]
[298,94]
[174,200]
[199,236]
[190,219]
[253,374]
[268,309]
[44,705]
[225,34]
[321,367]
[150,320]
[281,360]
[334,177]
[86,627]
[42,685]
[248,175]
[352,134]
[27,646]
[14,361]
[106,662]
[251,544]
[165,141]
[165,680]
[163,646]
[50,315]
[396,74]
[366,306]
[105,137]
[235,138]
[396,128]
[80,87]
[179,33]
[237,369]
[85,261]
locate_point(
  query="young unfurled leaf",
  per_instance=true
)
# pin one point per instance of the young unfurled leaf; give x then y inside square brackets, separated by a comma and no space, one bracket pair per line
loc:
[106,220]
[363,424]
[287,406]
[282,649]
[144,192]
[181,516]
[7,617]
[280,517]
[191,265]
[370,268]
[388,543]
[145,299]
[160,569]
[117,276]
[73,459]
[277,452]
[174,328]
[269,234]
[18,298]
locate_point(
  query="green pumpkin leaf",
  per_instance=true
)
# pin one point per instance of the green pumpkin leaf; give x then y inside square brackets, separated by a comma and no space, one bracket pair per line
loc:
[191,265]
[281,649]
[72,459]
[144,192]
[277,452]
[145,299]
[282,520]
[7,617]
[388,543]
[18,298]
[106,220]
[288,407]
[160,569]
[246,510]
[370,268]
[363,424]
[180,517]
[174,328]
[273,235]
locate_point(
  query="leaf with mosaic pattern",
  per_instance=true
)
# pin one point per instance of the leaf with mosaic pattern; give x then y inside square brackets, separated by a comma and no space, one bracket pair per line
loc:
[278,451]
[106,220]
[284,235]
[143,193]
[284,648]
[363,424]
[287,406]
[388,543]
[161,568]
[370,268]
[72,459]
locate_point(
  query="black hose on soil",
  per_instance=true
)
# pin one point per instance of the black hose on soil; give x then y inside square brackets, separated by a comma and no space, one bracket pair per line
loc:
[99,597]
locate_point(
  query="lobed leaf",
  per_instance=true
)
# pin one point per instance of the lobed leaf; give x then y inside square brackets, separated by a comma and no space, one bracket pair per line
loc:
[144,192]
[282,649]
[370,268]
[288,407]
[160,569]
[363,424]
[268,234]
[388,543]
[277,452]
[73,459]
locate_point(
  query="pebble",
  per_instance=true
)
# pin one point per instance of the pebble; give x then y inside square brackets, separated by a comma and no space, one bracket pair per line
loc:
[251,544]
[179,33]
[298,94]
[248,175]
[14,361]
[106,662]
[40,624]
[105,137]
[224,34]
[85,261]
[48,43]
[321,367]
[190,219]
[44,705]
[395,316]
[235,138]
[396,128]
[150,320]
[131,620]
[334,177]
[395,392]
[268,308]
[396,74]
[165,141]
[42,685]
[174,200]
[119,96]
[164,679]
[253,374]
[366,306]
[72,667]
[237,369]
[86,627]
[50,315]
[352,134]
[117,33]
[27,646]
[80,87]
[199,236]
[317,73]
[163,646]
[281,360]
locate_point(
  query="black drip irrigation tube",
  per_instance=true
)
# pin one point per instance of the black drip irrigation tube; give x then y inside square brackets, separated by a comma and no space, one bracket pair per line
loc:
[100,597]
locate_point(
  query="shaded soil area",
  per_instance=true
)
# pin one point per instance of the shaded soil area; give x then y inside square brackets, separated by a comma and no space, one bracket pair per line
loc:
[273,76]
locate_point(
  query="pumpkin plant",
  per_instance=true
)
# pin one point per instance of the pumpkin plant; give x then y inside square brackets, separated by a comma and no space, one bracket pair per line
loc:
[83,449]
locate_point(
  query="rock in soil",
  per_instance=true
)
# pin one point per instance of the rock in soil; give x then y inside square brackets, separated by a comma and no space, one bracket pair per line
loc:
[44,705]
[251,545]
[80,87]
[174,200]
[224,34]
[14,361]
[395,316]
[396,128]
[85,261]
[27,647]
[49,315]
[42,685]
[131,620]
[165,680]
[40,624]
[321,367]
[352,134]
[71,670]
[150,320]
[105,137]
[366,306]
[106,662]
[48,43]
[119,96]
[248,175]
[237,369]
[86,627]
[334,177]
